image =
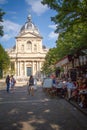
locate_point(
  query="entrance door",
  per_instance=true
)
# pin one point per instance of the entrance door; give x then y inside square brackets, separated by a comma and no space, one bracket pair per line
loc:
[29,71]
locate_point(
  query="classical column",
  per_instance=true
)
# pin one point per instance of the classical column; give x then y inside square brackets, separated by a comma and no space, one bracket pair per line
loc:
[18,68]
[37,65]
[36,68]
[39,74]
[15,68]
[33,67]
[25,68]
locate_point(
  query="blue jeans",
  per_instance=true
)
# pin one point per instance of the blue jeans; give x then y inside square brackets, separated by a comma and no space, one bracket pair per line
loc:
[8,85]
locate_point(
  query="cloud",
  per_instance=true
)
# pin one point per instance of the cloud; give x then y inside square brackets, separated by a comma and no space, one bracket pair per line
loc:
[11,29]
[13,13]
[52,26]
[37,7]
[53,35]
[6,37]
[3,1]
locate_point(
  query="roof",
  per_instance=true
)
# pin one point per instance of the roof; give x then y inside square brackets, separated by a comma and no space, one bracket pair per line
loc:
[29,26]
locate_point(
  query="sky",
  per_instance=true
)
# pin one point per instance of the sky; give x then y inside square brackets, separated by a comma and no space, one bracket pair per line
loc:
[16,16]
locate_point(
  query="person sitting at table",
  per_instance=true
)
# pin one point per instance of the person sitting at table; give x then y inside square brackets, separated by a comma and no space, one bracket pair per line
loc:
[64,88]
[82,94]
[70,87]
[83,85]
[54,82]
[59,86]
[75,92]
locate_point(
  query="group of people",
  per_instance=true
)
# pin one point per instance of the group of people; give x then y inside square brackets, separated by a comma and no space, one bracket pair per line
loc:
[72,89]
[10,83]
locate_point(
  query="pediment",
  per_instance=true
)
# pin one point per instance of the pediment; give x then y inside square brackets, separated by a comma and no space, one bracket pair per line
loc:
[28,34]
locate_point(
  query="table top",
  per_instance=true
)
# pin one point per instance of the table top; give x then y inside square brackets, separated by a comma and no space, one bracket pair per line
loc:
[84,91]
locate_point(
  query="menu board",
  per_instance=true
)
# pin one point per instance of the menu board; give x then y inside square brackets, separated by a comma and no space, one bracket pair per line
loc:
[47,83]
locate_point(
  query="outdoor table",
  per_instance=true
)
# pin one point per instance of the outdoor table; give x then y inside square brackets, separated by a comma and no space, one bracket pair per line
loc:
[84,93]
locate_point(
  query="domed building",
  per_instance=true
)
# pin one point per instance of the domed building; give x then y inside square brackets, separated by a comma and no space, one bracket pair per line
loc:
[28,55]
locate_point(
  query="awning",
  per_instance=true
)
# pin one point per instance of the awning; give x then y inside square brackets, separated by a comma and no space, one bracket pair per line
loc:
[62,62]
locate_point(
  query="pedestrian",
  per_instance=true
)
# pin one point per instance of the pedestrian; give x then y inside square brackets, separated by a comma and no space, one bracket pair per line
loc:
[70,87]
[7,83]
[12,81]
[35,83]
[31,85]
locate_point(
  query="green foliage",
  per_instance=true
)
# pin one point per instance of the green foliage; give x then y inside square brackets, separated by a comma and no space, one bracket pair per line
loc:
[72,42]
[50,59]
[4,60]
[71,21]
[1,20]
[69,13]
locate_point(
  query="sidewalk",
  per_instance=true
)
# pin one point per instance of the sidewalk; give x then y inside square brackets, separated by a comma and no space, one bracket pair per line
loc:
[2,84]
[83,110]
[75,104]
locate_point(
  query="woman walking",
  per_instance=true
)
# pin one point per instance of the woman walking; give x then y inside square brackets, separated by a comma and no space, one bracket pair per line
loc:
[13,81]
[31,85]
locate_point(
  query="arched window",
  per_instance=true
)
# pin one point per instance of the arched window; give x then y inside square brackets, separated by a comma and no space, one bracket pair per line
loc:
[35,48]
[29,46]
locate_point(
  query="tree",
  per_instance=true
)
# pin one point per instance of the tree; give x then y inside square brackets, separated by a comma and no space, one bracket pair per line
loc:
[71,19]
[69,13]
[4,61]
[1,20]
[50,59]
[72,42]
[4,58]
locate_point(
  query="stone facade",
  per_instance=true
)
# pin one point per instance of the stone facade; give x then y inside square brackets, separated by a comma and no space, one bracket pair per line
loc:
[28,55]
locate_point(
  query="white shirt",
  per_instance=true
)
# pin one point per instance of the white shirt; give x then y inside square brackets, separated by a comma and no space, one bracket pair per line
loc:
[70,85]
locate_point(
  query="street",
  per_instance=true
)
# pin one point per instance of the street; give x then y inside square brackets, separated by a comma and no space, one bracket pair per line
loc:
[20,111]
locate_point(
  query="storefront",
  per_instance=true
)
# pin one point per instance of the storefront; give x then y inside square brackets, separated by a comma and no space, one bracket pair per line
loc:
[73,65]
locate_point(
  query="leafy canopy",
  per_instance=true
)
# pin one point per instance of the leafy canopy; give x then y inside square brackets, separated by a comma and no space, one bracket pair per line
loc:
[4,60]
[50,59]
[1,20]
[71,24]
[68,12]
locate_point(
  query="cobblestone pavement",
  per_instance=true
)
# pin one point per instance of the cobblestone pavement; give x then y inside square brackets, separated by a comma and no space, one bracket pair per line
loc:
[20,111]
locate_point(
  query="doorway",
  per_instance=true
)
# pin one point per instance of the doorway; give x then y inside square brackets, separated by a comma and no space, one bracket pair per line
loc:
[29,71]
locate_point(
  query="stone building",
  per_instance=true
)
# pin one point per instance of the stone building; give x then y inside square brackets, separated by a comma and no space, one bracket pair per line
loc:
[28,55]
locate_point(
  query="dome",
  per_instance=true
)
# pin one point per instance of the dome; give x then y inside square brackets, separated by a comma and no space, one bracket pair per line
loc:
[29,26]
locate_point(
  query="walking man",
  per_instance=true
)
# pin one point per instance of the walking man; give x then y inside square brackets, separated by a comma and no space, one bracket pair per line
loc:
[7,83]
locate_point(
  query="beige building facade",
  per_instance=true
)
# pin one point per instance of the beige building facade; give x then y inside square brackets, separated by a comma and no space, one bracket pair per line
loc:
[28,55]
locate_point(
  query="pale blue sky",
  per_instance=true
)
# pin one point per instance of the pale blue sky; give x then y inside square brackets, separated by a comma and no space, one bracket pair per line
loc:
[16,16]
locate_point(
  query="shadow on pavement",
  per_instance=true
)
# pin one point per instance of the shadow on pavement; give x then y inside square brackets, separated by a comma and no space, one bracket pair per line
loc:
[20,111]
